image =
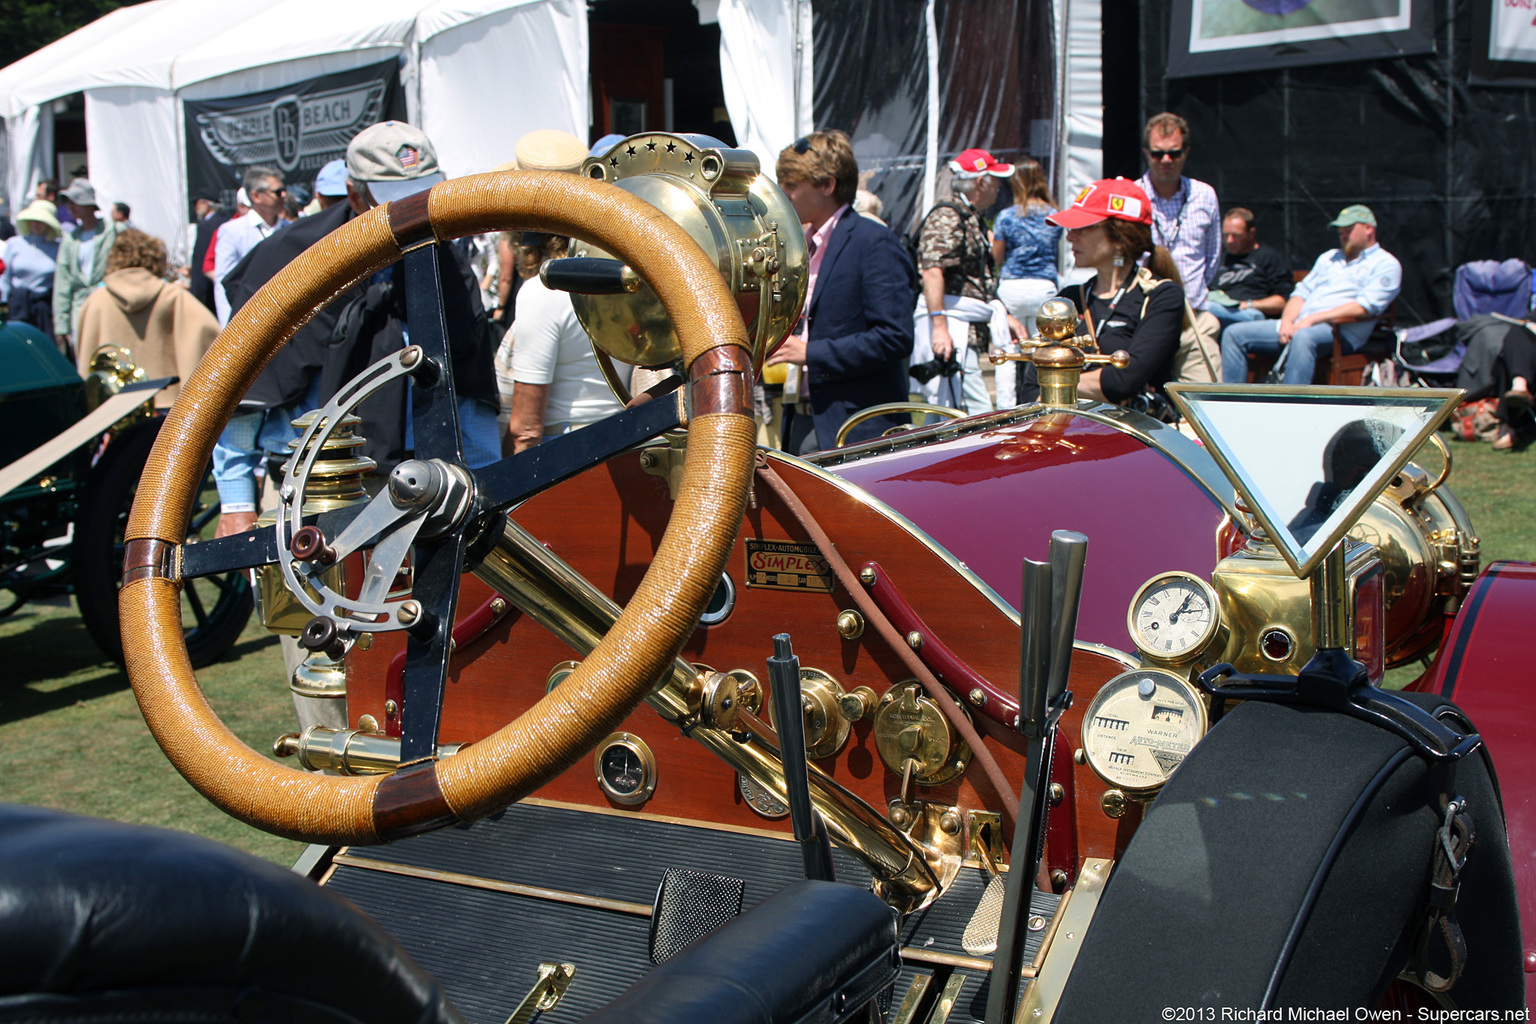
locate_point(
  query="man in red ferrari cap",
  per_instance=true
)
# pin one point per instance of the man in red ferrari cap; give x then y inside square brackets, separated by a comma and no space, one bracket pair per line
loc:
[958,312]
[1125,305]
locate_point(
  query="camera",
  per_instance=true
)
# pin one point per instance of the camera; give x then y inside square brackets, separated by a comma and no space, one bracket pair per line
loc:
[925,372]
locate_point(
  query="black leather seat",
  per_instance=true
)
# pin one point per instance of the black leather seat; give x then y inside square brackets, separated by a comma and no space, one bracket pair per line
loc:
[812,953]
[101,921]
[104,921]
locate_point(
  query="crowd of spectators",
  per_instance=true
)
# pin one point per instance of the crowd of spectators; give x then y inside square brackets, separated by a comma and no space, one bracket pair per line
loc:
[886,317]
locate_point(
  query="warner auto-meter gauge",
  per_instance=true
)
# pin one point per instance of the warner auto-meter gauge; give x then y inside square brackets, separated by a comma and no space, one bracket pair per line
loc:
[626,769]
[1140,727]
[1174,617]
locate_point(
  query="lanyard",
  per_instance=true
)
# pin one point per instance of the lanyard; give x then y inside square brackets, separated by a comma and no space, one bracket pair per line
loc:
[1088,306]
[1178,219]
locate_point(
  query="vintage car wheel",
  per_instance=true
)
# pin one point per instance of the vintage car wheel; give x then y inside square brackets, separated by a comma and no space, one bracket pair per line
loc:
[215,608]
[611,681]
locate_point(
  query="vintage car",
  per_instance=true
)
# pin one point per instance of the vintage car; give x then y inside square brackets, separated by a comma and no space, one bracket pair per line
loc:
[1049,714]
[71,456]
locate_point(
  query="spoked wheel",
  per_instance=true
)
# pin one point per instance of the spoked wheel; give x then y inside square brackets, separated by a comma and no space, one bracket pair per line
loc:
[215,608]
[434,509]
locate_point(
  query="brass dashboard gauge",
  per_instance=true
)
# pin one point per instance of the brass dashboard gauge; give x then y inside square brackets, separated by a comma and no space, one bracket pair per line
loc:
[1174,617]
[626,769]
[1139,728]
[760,799]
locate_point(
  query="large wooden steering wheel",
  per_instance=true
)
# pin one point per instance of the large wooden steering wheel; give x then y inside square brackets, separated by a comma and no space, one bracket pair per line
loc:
[610,682]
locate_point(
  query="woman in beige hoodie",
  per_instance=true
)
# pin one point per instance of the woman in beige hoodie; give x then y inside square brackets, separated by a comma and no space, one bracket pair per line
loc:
[165,328]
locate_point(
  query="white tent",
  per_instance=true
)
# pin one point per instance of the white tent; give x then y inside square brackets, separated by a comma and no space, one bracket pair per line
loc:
[477,75]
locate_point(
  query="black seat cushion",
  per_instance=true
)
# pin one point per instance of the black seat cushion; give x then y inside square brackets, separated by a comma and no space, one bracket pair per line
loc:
[100,920]
[812,952]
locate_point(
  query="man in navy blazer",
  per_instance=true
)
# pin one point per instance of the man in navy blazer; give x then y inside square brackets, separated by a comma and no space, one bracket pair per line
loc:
[856,333]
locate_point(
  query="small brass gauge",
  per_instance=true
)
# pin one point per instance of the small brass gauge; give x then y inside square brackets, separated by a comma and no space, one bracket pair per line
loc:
[761,800]
[1140,727]
[626,769]
[1174,617]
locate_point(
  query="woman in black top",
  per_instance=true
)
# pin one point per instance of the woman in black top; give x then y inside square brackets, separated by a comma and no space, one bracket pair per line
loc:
[1124,305]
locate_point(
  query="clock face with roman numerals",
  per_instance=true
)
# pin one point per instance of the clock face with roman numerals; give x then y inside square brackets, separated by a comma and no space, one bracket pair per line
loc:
[1140,727]
[1174,617]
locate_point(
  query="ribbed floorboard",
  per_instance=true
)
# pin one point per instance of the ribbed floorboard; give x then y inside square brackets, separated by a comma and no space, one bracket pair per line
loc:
[486,945]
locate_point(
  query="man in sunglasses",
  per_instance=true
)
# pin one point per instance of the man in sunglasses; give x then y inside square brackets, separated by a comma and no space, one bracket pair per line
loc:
[1186,218]
[265,187]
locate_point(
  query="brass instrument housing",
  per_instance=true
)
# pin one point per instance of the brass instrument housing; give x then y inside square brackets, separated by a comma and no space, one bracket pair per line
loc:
[738,216]
[1429,553]
[909,725]
[826,729]
[1260,592]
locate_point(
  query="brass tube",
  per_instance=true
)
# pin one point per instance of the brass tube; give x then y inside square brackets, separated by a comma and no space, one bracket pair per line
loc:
[557,597]
[1330,601]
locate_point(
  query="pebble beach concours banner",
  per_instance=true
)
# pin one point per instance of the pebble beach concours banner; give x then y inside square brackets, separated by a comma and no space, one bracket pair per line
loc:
[297,129]
[1212,37]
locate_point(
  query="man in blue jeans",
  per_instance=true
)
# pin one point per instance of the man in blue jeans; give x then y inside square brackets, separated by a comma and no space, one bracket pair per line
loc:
[1354,283]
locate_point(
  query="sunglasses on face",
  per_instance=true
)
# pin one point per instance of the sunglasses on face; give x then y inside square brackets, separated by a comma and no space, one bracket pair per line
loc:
[1165,154]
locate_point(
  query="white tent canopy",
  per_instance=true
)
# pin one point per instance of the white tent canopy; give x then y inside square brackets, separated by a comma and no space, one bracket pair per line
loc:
[136,65]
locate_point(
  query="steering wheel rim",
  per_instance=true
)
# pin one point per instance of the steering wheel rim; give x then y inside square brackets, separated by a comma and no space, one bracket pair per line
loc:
[610,682]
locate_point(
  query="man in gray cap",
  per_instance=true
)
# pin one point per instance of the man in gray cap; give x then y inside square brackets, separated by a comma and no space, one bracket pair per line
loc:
[82,259]
[1350,286]
[386,162]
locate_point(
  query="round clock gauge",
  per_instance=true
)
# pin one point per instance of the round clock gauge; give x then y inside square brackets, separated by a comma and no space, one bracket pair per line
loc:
[1174,617]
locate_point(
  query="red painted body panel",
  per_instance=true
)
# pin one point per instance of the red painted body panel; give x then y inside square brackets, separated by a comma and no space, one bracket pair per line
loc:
[1485,666]
[993,498]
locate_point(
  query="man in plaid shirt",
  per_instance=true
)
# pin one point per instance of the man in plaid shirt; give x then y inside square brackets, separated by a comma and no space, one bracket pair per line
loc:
[1186,218]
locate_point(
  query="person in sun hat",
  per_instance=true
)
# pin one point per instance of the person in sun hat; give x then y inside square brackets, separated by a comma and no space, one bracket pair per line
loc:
[1350,286]
[31,258]
[1124,305]
[557,385]
[958,313]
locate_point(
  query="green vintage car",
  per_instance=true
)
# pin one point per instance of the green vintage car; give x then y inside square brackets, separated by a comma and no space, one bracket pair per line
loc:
[71,454]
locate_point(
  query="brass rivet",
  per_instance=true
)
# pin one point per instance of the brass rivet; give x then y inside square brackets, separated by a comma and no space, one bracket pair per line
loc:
[1037,923]
[949,823]
[850,624]
[408,612]
[900,816]
[498,605]
[867,576]
[1058,793]
[367,723]
[391,708]
[1114,803]
[915,640]
[977,696]
[1080,756]
[647,460]
[1059,881]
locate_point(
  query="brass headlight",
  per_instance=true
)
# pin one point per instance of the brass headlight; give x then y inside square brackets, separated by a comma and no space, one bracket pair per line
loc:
[739,218]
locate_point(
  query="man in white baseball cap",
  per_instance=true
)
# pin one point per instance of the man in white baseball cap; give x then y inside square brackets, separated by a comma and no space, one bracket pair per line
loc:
[387,162]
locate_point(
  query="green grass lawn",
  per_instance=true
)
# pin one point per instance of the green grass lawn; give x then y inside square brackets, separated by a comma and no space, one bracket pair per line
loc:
[71,736]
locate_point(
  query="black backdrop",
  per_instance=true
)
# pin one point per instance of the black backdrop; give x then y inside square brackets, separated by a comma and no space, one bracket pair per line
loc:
[1447,166]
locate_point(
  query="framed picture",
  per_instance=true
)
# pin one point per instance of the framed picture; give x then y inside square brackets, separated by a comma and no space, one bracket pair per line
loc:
[1211,37]
[1504,43]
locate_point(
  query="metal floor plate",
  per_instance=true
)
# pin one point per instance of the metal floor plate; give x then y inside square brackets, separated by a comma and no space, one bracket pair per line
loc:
[485,945]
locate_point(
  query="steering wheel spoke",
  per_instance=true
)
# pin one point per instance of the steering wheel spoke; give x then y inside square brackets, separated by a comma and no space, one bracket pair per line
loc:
[443,508]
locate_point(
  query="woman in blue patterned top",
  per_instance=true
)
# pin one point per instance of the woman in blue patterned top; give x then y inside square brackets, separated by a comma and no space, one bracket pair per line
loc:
[1025,249]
